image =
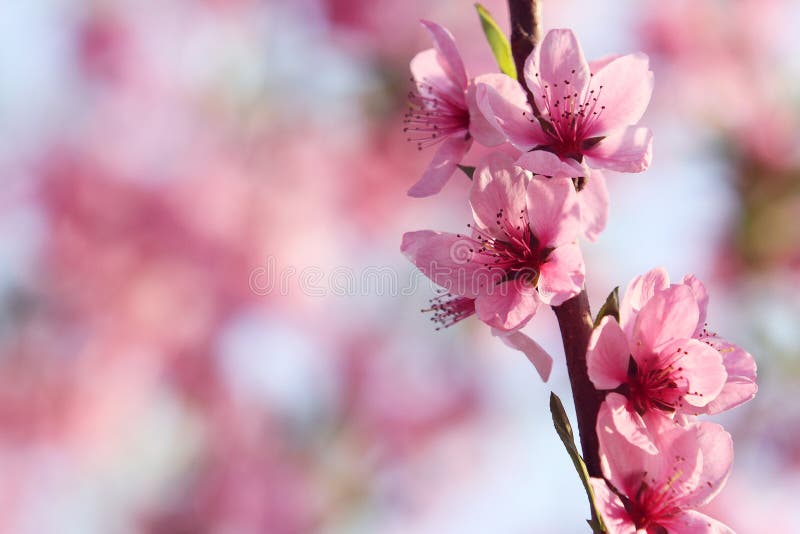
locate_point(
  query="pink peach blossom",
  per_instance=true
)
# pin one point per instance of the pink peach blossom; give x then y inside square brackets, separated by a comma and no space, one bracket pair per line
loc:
[586,113]
[660,493]
[740,385]
[444,111]
[658,369]
[521,253]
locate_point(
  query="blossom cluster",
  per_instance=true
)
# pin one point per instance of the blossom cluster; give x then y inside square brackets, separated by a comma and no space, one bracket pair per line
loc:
[662,367]
[541,188]
[554,134]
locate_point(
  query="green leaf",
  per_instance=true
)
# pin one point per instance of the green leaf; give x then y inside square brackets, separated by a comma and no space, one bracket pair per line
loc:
[609,307]
[564,430]
[498,42]
[469,171]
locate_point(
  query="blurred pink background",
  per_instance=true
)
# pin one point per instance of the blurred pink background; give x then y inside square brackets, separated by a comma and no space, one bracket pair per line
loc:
[206,325]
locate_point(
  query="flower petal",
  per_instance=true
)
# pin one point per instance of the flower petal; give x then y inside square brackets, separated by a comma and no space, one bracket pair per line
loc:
[593,201]
[484,132]
[741,385]
[539,357]
[506,306]
[639,292]
[557,67]
[667,316]
[498,186]
[615,517]
[547,164]
[624,463]
[506,114]
[608,355]
[701,367]
[445,161]
[715,448]
[623,88]
[446,260]
[430,77]
[561,276]
[629,423]
[701,295]
[596,64]
[627,150]
[694,522]
[449,57]
[553,211]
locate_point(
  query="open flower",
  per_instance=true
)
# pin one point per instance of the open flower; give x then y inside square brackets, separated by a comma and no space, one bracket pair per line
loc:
[444,111]
[659,369]
[660,493]
[521,251]
[740,385]
[585,113]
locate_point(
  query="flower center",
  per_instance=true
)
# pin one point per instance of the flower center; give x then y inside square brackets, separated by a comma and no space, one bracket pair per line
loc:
[510,246]
[657,388]
[567,116]
[435,114]
[449,309]
[651,505]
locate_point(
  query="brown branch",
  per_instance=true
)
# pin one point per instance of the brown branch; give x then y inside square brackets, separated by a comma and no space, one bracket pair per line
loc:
[525,33]
[574,316]
[575,322]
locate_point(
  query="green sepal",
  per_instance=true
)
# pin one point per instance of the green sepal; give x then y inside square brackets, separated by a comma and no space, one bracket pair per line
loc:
[469,171]
[609,307]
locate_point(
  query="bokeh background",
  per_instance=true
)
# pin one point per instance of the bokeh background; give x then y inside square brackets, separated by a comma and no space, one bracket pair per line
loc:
[206,325]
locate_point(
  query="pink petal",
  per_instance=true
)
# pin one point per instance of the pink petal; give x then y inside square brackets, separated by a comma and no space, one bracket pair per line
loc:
[539,357]
[507,115]
[608,355]
[480,128]
[639,292]
[562,70]
[446,260]
[630,424]
[506,306]
[700,365]
[615,518]
[445,161]
[626,150]
[498,185]
[596,64]
[553,211]
[669,315]
[740,386]
[693,522]
[715,449]
[701,295]
[449,57]
[561,276]
[593,201]
[429,76]
[627,84]
[548,164]
[623,463]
